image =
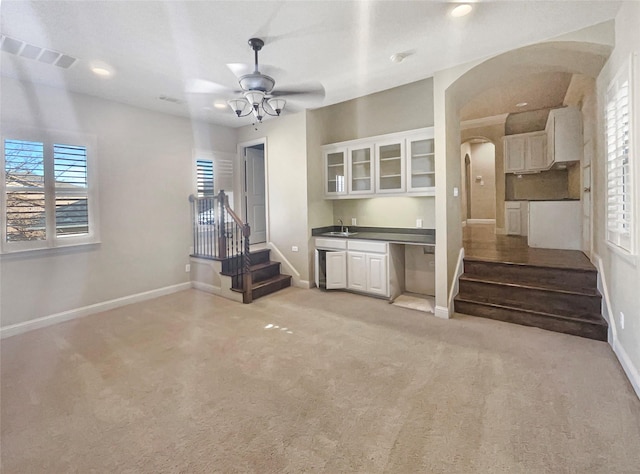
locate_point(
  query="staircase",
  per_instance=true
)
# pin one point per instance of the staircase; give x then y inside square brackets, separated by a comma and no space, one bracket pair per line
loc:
[265,274]
[554,298]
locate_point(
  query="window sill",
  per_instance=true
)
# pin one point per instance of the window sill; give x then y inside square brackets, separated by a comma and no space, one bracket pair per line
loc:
[626,256]
[46,251]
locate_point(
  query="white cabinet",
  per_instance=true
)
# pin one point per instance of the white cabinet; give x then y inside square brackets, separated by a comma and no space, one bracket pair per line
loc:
[357,271]
[564,132]
[393,164]
[336,272]
[335,162]
[363,267]
[390,166]
[525,152]
[421,169]
[517,217]
[361,169]
[377,276]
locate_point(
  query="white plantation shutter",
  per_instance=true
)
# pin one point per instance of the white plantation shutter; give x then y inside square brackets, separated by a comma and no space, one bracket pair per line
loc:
[48,189]
[620,212]
[204,178]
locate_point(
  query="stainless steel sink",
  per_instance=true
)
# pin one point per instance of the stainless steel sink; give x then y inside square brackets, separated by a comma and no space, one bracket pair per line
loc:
[336,233]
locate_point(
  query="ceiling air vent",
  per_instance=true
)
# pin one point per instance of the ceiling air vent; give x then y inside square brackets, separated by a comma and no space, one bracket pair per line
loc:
[173,100]
[30,51]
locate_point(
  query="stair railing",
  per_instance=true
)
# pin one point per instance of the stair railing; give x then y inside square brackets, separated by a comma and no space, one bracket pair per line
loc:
[219,234]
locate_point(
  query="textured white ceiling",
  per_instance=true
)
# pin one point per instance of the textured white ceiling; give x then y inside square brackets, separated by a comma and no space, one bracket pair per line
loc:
[157,47]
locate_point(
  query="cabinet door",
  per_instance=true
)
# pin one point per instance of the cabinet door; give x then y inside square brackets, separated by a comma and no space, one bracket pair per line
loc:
[336,270]
[514,153]
[361,170]
[421,170]
[335,162]
[390,167]
[567,134]
[536,152]
[357,271]
[514,226]
[377,276]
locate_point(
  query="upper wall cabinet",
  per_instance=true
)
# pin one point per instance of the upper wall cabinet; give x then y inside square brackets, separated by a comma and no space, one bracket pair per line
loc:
[421,162]
[561,141]
[335,165]
[389,165]
[361,169]
[525,152]
[564,135]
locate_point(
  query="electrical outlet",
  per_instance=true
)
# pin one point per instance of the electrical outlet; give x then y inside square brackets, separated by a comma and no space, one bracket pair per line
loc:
[187,268]
[621,320]
[354,221]
[294,248]
[419,223]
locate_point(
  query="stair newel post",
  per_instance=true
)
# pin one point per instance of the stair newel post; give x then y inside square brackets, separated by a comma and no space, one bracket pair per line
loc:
[220,224]
[247,295]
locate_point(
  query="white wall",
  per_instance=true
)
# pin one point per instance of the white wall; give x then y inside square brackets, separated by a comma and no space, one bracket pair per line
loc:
[145,176]
[286,169]
[622,275]
[483,181]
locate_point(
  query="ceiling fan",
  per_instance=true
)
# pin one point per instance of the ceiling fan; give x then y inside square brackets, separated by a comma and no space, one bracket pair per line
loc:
[258,96]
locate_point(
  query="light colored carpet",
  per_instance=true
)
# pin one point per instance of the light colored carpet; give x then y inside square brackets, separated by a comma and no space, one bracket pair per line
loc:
[309,381]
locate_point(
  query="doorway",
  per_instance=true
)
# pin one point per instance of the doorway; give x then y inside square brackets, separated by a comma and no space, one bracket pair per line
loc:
[254,206]
[478,165]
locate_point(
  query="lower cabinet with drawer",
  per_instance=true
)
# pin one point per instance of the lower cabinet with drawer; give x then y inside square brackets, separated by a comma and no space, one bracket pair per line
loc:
[357,265]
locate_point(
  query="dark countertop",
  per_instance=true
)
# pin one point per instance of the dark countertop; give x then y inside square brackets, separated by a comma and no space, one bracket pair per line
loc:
[541,200]
[387,234]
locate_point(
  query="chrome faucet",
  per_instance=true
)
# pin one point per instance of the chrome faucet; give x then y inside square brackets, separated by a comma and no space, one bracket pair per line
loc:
[341,225]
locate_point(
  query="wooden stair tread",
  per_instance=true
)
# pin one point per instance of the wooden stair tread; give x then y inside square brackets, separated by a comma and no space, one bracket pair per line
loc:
[560,266]
[505,281]
[596,319]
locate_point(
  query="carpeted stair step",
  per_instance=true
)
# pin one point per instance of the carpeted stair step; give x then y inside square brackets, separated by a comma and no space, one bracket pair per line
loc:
[589,328]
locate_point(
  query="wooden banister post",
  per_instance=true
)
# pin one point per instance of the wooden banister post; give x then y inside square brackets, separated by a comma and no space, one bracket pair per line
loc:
[247,281]
[221,226]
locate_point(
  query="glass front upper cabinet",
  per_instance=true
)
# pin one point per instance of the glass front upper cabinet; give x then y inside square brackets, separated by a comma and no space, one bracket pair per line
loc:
[390,167]
[361,170]
[335,168]
[421,164]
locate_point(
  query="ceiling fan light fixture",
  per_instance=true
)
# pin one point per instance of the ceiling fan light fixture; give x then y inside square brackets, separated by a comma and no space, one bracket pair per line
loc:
[254,98]
[277,104]
[257,81]
[238,106]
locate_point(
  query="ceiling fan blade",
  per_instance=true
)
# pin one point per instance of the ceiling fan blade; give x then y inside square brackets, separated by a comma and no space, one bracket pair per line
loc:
[241,69]
[312,91]
[203,86]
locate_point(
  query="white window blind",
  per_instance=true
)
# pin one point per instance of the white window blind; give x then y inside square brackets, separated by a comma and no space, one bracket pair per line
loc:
[48,196]
[620,212]
[204,177]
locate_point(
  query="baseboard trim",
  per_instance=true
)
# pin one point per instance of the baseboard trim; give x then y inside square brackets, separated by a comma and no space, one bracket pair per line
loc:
[198,285]
[52,319]
[441,312]
[481,221]
[306,284]
[628,367]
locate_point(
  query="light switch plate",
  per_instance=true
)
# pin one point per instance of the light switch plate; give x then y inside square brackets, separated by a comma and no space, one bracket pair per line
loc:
[354,221]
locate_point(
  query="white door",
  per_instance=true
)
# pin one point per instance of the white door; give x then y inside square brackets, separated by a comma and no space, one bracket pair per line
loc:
[255,194]
[336,271]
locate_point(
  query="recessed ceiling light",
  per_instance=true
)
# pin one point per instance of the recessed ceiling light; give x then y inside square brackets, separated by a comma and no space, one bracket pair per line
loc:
[461,10]
[397,57]
[522,104]
[101,69]
[220,105]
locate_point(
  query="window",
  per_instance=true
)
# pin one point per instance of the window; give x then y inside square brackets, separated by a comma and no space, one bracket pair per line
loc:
[47,187]
[204,177]
[618,126]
